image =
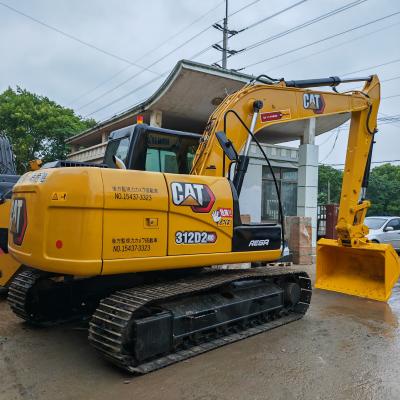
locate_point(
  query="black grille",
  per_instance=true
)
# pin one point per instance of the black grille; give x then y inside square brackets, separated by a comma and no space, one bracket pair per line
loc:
[68,163]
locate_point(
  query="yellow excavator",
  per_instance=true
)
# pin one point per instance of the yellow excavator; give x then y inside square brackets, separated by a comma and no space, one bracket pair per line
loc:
[8,177]
[129,242]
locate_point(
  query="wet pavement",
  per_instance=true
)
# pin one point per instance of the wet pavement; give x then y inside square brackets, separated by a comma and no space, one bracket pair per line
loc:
[344,348]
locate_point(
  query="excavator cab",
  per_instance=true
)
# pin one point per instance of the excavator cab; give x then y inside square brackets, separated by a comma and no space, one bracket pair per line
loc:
[147,148]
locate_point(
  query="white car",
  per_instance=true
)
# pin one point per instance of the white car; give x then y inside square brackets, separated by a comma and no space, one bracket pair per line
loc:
[384,230]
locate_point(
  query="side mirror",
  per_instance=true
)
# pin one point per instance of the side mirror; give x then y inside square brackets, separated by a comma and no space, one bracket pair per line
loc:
[119,163]
[389,229]
[227,146]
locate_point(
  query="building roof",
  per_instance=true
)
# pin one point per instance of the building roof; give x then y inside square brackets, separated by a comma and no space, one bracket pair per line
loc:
[186,98]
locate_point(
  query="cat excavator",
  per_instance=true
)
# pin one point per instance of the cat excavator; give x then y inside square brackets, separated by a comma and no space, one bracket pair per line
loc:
[131,243]
[8,177]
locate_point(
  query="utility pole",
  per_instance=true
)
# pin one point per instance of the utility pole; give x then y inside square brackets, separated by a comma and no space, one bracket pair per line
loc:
[329,192]
[225,37]
[226,34]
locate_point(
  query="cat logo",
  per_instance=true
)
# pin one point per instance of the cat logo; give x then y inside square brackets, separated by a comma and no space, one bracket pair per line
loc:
[18,220]
[314,101]
[199,197]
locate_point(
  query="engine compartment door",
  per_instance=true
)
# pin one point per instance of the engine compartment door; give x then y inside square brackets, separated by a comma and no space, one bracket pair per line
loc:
[200,214]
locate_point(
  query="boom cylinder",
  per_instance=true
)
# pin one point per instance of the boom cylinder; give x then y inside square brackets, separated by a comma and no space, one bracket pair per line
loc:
[331,81]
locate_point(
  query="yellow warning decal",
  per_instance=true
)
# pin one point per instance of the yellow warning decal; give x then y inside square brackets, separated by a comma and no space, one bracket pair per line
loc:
[59,196]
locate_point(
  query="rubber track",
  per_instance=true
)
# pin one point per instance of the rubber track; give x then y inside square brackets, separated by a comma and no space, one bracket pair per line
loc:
[109,325]
[18,292]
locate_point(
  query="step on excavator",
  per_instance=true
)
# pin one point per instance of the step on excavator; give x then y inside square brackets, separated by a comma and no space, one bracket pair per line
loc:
[131,243]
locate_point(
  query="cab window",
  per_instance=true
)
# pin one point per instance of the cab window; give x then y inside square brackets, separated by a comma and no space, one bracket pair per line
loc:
[161,161]
[169,153]
[395,224]
[119,148]
[123,148]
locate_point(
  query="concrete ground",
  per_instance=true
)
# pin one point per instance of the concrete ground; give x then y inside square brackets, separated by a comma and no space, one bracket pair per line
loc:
[344,348]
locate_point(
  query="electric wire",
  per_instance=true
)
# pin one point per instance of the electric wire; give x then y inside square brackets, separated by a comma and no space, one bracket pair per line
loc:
[125,81]
[264,20]
[396,60]
[303,25]
[152,50]
[157,61]
[390,97]
[274,15]
[321,40]
[327,49]
[333,146]
[372,162]
[75,38]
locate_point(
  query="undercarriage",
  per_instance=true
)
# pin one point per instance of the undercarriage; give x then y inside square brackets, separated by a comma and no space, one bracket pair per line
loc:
[143,322]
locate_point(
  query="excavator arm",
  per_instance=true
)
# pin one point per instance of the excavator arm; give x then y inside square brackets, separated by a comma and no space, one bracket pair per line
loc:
[353,206]
[266,111]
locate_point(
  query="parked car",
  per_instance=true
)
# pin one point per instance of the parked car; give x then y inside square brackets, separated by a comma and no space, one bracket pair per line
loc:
[384,230]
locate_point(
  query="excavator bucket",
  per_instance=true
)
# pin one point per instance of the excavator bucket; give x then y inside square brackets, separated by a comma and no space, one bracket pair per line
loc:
[369,271]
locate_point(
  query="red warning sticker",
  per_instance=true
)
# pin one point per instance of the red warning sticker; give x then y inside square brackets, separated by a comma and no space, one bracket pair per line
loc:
[274,115]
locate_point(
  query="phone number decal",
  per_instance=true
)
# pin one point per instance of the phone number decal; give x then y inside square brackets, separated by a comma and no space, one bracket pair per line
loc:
[195,237]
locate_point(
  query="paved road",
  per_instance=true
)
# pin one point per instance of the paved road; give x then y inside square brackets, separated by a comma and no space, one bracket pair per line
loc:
[345,348]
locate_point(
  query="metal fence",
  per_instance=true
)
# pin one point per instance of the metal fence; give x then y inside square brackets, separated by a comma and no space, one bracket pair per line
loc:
[321,221]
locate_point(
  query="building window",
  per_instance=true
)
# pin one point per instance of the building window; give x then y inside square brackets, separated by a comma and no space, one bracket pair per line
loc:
[287,183]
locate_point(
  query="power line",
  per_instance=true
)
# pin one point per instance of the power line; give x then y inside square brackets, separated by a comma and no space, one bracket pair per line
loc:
[387,119]
[303,25]
[333,146]
[261,21]
[152,50]
[390,97]
[241,9]
[139,72]
[322,40]
[324,50]
[72,37]
[373,66]
[136,89]
[391,79]
[273,15]
[155,62]
[372,162]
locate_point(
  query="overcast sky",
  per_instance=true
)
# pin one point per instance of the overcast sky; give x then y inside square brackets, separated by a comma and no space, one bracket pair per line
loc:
[146,33]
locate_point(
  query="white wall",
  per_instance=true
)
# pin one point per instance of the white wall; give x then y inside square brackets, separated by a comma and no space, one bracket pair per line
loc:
[307,189]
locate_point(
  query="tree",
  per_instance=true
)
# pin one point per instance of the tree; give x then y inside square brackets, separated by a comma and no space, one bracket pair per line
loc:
[328,176]
[37,127]
[384,190]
